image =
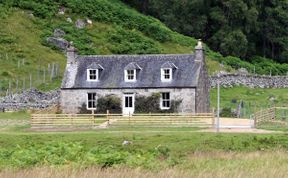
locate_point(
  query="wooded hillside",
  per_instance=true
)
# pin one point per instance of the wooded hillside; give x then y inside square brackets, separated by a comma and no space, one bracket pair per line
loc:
[241,28]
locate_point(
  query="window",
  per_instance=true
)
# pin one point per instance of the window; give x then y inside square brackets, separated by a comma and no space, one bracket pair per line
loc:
[130,75]
[166,74]
[91,101]
[92,74]
[165,101]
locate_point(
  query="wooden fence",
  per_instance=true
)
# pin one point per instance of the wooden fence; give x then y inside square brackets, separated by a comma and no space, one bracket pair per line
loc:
[118,120]
[267,115]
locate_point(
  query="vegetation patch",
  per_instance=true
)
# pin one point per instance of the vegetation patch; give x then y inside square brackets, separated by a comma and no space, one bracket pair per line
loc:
[151,104]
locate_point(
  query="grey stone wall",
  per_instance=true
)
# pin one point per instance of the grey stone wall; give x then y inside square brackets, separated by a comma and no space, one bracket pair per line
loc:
[30,99]
[252,81]
[72,100]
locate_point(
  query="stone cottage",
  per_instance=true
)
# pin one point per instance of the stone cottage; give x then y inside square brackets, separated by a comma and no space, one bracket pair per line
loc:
[181,77]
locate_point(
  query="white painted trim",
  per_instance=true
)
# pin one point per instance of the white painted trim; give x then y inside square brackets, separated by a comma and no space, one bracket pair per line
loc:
[161,101]
[123,103]
[170,74]
[126,76]
[88,100]
[88,75]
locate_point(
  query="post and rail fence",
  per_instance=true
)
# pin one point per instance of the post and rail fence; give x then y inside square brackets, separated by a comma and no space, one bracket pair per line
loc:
[273,114]
[119,120]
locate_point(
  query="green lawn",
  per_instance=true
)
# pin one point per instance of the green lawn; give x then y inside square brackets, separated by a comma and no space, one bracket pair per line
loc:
[21,115]
[254,99]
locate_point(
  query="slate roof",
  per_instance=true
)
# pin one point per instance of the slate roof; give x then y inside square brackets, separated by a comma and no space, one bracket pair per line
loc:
[186,73]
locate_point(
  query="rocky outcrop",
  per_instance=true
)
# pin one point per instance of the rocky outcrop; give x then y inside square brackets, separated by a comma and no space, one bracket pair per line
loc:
[252,81]
[58,33]
[58,42]
[80,24]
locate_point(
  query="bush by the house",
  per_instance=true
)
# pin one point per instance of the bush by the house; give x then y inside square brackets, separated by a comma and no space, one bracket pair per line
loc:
[111,103]
[151,104]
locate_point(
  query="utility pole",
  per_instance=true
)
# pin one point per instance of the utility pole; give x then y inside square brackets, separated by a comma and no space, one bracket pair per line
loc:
[218,104]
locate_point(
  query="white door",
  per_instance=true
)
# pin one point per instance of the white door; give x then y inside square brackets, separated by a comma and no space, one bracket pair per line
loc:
[128,104]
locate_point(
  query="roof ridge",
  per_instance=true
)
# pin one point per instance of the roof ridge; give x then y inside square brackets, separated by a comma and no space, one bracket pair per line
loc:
[136,55]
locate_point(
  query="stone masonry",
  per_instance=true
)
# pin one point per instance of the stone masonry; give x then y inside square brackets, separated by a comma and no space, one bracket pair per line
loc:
[72,104]
[252,81]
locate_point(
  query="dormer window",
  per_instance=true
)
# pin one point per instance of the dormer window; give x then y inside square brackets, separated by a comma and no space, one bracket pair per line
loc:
[130,75]
[167,71]
[130,72]
[166,74]
[93,72]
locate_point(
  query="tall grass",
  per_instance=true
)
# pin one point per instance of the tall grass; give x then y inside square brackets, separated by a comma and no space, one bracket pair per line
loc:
[214,164]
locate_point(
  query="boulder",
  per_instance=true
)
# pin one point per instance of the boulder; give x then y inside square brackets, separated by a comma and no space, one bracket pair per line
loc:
[61,10]
[58,33]
[69,20]
[242,71]
[58,42]
[80,24]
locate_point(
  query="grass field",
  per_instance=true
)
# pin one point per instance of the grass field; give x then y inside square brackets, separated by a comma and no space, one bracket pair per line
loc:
[22,115]
[153,152]
[254,99]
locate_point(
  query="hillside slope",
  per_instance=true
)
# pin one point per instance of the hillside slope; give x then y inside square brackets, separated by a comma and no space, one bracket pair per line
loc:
[26,56]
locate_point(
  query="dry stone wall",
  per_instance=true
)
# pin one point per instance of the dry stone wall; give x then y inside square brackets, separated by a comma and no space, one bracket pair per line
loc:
[252,81]
[30,99]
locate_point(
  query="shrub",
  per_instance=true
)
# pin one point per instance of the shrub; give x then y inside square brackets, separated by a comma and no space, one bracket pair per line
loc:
[152,104]
[111,103]
[226,112]
[83,109]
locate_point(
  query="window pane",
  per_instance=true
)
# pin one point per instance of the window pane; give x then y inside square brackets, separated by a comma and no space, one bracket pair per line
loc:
[130,74]
[91,103]
[130,102]
[93,74]
[166,100]
[126,102]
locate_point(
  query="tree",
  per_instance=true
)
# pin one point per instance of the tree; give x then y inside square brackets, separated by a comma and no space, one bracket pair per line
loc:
[234,43]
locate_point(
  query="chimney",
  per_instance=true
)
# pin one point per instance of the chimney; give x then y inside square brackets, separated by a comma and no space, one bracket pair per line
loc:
[199,52]
[71,54]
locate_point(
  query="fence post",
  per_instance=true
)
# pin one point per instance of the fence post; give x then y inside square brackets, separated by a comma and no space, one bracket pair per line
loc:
[255,120]
[129,118]
[213,117]
[30,81]
[93,118]
[108,122]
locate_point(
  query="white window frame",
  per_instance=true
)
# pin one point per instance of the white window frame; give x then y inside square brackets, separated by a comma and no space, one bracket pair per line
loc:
[162,100]
[93,100]
[163,79]
[126,76]
[89,74]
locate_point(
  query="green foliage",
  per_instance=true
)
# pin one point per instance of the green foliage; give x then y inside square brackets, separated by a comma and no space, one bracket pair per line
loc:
[150,150]
[151,104]
[255,99]
[227,112]
[83,109]
[230,41]
[111,103]
[67,153]
[234,27]
[147,104]
[130,42]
